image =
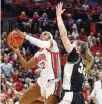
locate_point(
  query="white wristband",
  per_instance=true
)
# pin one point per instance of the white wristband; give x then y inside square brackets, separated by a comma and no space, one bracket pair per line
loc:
[27,37]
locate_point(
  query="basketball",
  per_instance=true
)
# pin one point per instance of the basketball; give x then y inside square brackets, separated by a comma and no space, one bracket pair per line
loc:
[15,40]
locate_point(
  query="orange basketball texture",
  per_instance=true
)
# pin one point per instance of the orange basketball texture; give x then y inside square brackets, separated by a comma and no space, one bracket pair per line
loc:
[15,40]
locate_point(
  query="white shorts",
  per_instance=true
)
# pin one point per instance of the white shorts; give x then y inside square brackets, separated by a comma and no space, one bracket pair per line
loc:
[64,102]
[47,88]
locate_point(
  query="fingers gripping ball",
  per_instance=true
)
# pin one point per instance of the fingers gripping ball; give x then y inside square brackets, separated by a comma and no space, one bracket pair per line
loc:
[15,40]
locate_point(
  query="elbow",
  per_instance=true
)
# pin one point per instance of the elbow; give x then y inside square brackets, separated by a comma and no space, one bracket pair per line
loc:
[26,66]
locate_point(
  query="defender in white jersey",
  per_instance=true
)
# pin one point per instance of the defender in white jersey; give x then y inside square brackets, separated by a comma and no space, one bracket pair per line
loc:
[47,59]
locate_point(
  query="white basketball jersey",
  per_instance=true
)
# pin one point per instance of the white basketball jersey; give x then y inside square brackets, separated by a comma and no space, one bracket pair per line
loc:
[49,62]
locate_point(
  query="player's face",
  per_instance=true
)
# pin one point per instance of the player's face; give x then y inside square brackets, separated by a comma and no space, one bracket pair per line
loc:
[77,47]
[45,36]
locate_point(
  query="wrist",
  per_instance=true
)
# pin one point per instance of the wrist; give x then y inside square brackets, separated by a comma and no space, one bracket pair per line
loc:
[59,16]
[18,54]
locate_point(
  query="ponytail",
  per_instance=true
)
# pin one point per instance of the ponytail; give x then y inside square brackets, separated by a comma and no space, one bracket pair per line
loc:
[89,59]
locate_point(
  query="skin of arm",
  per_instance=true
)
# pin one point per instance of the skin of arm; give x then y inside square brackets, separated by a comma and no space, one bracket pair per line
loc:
[27,65]
[62,30]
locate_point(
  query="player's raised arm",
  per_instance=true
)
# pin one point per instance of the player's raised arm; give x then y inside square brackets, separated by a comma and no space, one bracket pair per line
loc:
[62,30]
[38,42]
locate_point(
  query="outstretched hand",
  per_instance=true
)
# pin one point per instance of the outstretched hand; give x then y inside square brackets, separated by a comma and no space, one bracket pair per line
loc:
[23,35]
[59,9]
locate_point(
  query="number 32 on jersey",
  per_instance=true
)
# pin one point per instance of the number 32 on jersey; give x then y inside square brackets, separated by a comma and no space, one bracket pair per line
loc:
[81,69]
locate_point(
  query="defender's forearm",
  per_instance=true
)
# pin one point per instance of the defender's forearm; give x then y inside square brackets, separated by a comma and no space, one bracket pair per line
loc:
[61,26]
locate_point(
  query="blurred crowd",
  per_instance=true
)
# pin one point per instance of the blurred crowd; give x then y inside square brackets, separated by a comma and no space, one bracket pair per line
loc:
[83,20]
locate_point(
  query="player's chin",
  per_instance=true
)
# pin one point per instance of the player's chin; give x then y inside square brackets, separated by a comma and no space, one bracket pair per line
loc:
[42,39]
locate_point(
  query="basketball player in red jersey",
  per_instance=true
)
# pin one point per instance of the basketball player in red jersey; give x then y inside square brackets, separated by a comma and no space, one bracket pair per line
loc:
[47,59]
